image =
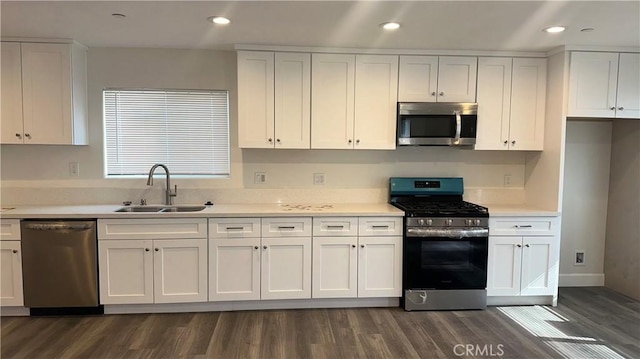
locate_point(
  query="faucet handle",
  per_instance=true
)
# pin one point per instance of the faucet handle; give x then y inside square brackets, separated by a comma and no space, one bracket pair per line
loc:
[175,191]
[143,201]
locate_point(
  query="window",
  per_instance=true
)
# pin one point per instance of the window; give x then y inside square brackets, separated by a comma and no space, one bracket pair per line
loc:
[188,131]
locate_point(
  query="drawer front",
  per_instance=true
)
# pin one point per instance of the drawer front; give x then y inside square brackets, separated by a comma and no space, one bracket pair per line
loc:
[152,228]
[335,226]
[10,230]
[380,226]
[527,226]
[286,227]
[234,228]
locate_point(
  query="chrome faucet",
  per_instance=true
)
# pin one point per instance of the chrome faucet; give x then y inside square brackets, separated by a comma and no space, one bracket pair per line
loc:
[169,194]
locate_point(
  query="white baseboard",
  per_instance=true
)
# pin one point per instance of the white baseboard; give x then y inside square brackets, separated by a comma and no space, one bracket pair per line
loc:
[581,280]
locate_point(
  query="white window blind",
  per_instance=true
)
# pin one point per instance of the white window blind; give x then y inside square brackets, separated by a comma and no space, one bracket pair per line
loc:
[188,131]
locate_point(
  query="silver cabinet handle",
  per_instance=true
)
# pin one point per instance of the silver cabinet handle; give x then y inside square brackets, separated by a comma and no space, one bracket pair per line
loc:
[612,108]
[381,227]
[523,226]
[286,227]
[519,245]
[621,108]
[235,228]
[433,93]
[19,136]
[335,227]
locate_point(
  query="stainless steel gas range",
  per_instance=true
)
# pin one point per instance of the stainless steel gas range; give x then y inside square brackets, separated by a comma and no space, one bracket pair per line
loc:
[445,244]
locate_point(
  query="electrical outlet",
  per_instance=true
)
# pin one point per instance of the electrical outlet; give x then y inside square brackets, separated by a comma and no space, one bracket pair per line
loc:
[74,169]
[507,180]
[578,259]
[260,177]
[318,178]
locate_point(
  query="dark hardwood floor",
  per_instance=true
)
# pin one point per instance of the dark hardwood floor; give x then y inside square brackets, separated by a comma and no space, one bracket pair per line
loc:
[588,323]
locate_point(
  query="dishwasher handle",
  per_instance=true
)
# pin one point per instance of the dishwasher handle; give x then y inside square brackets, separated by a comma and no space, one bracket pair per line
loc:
[59,226]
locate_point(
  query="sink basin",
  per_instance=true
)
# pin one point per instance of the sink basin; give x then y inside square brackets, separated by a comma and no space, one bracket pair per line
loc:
[182,209]
[160,209]
[140,209]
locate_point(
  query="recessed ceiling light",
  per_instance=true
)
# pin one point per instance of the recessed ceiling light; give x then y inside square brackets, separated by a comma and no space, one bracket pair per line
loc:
[219,20]
[390,25]
[118,15]
[587,29]
[554,29]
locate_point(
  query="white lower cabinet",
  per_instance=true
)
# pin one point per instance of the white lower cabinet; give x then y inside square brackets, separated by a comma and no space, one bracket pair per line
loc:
[523,265]
[11,293]
[367,265]
[234,269]
[286,268]
[141,270]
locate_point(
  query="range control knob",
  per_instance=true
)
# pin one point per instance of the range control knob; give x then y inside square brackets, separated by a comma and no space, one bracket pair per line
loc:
[429,222]
[477,222]
[448,222]
[421,222]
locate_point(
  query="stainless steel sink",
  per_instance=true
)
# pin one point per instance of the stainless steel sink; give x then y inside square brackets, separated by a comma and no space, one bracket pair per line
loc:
[163,209]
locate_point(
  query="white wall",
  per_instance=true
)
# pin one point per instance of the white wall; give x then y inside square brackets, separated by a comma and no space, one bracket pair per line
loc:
[585,197]
[39,174]
[622,245]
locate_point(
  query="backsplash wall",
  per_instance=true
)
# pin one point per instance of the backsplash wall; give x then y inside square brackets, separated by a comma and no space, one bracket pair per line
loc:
[40,174]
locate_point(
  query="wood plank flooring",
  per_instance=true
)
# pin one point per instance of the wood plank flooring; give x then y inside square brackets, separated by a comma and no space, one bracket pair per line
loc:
[588,322]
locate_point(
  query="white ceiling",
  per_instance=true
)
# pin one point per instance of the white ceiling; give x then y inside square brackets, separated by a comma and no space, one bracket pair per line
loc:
[450,25]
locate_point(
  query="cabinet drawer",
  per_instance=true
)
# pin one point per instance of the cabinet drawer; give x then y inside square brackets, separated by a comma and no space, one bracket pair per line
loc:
[335,226]
[10,230]
[523,226]
[286,227]
[234,228]
[152,228]
[380,226]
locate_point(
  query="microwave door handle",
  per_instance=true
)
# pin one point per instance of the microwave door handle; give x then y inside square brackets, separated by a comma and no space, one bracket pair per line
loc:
[458,127]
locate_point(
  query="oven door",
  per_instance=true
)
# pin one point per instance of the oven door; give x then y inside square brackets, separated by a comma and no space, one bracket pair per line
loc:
[446,262]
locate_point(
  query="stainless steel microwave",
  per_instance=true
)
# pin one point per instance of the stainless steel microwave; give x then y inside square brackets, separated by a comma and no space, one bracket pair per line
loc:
[437,123]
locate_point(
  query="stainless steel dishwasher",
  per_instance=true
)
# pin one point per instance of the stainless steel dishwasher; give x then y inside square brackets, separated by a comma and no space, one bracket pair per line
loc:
[60,266]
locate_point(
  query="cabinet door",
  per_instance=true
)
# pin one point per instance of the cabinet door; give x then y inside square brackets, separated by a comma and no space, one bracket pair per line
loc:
[11,112]
[494,103]
[292,100]
[335,267]
[380,266]
[234,269]
[457,79]
[540,265]
[593,78]
[286,268]
[255,99]
[11,274]
[126,271]
[418,79]
[628,99]
[528,97]
[46,93]
[180,270]
[504,266]
[332,95]
[376,101]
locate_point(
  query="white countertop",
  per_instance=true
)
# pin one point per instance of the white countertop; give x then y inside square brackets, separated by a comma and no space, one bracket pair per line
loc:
[217,210]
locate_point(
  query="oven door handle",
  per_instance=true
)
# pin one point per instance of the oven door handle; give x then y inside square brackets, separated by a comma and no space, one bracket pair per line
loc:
[458,233]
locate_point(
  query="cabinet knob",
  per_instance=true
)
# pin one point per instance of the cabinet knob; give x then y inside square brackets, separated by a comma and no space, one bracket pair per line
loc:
[362,246]
[441,94]
[519,245]
[270,140]
[353,246]
[349,141]
[505,142]
[27,135]
[256,247]
[612,108]
[357,142]
[146,249]
[526,245]
[264,247]
[157,249]
[620,108]
[433,93]
[513,142]
[278,140]
[15,251]
[19,136]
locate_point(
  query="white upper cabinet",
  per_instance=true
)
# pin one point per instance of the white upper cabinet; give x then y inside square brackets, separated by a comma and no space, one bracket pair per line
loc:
[11,112]
[332,96]
[604,84]
[376,98]
[511,103]
[274,99]
[354,101]
[628,99]
[441,79]
[54,98]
